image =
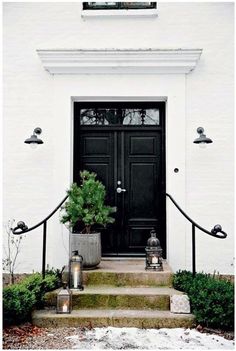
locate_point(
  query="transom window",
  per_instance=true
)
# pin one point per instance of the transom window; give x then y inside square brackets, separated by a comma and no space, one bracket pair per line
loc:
[119,116]
[118,5]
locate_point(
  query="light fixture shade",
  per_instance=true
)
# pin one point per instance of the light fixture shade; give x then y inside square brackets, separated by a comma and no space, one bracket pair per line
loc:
[202,137]
[33,140]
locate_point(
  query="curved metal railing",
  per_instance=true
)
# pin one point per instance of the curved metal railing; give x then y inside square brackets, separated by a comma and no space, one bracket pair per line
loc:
[216,232]
[22,228]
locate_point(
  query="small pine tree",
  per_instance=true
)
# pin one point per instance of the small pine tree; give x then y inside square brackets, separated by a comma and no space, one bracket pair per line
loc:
[86,204]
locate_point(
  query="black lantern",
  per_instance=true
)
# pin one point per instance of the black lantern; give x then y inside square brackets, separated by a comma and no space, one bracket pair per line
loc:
[76,267]
[64,300]
[153,253]
[202,140]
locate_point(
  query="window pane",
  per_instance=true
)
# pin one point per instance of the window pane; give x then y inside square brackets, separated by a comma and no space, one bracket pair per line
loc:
[100,5]
[101,116]
[98,116]
[118,5]
[138,5]
[142,117]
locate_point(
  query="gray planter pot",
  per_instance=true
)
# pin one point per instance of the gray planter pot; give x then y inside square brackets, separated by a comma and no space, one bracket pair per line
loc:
[89,247]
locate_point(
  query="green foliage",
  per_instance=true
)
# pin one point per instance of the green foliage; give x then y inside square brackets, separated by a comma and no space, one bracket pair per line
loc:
[212,300]
[18,302]
[86,203]
[56,272]
[20,299]
[39,286]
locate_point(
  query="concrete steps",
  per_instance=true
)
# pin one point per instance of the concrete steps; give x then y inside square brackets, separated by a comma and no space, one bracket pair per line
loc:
[118,293]
[127,273]
[116,318]
[104,297]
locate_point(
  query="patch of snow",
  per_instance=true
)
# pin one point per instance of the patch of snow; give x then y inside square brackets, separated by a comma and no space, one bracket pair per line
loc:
[148,339]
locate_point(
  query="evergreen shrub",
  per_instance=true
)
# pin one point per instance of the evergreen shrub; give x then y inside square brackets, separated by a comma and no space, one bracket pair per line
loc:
[211,299]
[39,286]
[18,302]
[86,204]
[20,299]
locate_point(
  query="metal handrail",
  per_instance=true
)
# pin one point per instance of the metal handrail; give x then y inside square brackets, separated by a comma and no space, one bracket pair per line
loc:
[216,232]
[22,228]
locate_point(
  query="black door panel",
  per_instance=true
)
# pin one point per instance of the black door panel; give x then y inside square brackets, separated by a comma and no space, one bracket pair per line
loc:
[134,157]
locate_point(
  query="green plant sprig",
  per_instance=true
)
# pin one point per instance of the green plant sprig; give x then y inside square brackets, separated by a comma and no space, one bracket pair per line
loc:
[86,204]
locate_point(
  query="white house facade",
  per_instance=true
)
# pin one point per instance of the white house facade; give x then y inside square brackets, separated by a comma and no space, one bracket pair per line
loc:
[173,64]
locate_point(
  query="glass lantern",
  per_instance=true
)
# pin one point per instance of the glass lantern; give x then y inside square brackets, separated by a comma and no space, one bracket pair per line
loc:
[76,267]
[153,253]
[64,300]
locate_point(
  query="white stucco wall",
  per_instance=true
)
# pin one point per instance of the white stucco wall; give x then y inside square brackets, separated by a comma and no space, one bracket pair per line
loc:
[34,181]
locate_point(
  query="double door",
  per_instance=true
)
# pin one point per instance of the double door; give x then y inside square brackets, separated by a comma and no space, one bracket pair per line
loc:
[129,161]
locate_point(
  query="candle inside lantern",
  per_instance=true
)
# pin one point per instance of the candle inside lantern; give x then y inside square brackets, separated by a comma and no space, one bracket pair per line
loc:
[65,308]
[75,278]
[154,259]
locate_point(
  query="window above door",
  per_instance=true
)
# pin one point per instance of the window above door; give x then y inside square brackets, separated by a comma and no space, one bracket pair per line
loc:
[138,9]
[120,116]
[118,5]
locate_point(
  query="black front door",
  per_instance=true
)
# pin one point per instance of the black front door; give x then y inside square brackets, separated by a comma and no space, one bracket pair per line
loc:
[124,145]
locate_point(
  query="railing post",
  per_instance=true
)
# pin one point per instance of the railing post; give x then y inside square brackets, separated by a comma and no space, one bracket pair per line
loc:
[193,250]
[44,248]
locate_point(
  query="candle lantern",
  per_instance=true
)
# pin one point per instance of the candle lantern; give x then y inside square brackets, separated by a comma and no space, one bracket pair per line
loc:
[76,267]
[153,253]
[64,300]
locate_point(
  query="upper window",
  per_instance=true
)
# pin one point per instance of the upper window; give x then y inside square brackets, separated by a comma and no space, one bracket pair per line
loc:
[118,5]
[107,116]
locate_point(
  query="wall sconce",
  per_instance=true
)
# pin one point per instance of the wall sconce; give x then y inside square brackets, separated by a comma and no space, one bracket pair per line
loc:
[202,140]
[34,140]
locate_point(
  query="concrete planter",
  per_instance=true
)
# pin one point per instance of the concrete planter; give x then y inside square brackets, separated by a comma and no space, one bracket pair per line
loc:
[89,247]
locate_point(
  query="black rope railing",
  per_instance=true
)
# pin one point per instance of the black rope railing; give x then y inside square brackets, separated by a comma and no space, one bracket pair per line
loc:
[22,228]
[216,232]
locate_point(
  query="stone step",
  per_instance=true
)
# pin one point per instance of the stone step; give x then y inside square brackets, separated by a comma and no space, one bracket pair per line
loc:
[127,273]
[105,297]
[116,318]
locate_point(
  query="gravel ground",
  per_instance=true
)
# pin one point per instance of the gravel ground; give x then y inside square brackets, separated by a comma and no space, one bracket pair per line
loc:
[28,337]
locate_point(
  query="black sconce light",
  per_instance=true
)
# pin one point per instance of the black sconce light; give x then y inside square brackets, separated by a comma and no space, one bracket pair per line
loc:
[34,140]
[202,140]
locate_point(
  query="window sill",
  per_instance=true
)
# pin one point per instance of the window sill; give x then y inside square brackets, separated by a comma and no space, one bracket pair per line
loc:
[120,13]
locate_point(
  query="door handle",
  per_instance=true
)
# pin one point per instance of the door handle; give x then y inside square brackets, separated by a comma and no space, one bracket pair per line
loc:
[120,190]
